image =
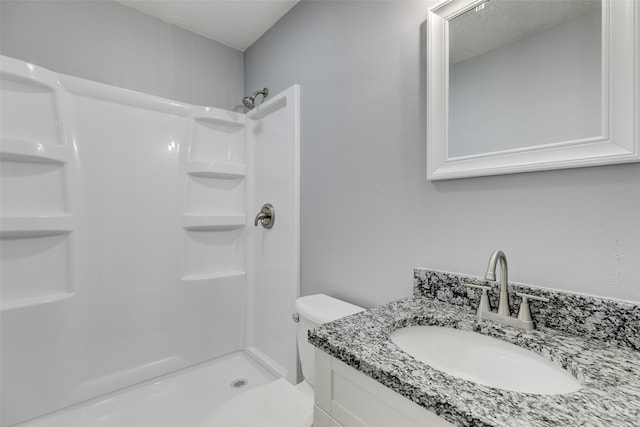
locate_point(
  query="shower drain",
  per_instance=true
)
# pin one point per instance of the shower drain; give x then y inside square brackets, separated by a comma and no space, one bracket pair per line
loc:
[239,383]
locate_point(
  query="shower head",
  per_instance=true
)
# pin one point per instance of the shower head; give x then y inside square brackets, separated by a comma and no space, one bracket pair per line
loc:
[250,101]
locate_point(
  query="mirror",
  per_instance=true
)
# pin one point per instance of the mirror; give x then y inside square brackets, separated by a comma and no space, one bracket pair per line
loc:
[524,63]
[516,86]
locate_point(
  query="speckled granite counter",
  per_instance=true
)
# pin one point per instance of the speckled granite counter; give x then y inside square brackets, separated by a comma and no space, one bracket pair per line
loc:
[607,367]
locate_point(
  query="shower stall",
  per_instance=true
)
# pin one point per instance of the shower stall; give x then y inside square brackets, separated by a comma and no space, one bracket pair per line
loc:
[128,243]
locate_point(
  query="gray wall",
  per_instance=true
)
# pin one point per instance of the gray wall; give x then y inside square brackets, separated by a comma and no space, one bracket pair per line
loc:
[110,43]
[368,214]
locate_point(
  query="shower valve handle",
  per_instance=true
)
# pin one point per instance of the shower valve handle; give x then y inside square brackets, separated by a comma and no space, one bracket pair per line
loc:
[266,216]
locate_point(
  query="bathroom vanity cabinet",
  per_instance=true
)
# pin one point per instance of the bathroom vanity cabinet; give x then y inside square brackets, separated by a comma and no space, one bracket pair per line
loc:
[364,379]
[345,397]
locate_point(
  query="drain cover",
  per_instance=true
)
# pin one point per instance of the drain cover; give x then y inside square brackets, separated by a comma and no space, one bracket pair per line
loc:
[239,383]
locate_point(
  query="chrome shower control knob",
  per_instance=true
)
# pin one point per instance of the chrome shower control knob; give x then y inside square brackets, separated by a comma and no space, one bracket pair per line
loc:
[266,216]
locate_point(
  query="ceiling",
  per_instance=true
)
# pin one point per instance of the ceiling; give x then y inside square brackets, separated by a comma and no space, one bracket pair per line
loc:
[499,22]
[235,23]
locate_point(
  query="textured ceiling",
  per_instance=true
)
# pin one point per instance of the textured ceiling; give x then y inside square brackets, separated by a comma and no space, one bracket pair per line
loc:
[235,23]
[501,22]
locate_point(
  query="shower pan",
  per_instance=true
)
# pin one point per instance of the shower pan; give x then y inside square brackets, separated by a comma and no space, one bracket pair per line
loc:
[128,242]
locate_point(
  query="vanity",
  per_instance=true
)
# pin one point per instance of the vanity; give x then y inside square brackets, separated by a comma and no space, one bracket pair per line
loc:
[364,379]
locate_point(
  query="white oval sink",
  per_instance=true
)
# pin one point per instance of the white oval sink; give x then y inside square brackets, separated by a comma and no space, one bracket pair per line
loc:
[484,360]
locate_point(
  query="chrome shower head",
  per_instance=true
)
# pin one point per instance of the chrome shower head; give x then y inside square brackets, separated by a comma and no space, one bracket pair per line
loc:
[250,101]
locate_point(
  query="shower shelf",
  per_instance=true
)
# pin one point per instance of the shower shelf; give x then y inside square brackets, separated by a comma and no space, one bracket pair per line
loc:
[34,152]
[212,222]
[215,117]
[219,275]
[8,304]
[216,170]
[35,226]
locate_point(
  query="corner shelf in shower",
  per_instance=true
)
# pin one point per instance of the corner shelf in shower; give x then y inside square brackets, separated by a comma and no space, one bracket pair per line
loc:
[35,301]
[216,170]
[212,222]
[219,118]
[15,150]
[213,277]
[35,226]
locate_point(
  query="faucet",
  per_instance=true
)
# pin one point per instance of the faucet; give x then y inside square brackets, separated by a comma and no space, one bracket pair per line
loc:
[503,314]
[503,304]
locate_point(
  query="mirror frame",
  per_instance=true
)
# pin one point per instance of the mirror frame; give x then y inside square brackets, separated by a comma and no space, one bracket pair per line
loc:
[620,102]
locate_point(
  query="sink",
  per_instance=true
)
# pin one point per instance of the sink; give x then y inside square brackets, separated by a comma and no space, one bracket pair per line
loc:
[484,360]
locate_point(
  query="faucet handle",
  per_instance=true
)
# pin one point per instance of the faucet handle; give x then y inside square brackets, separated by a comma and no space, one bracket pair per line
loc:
[484,298]
[525,313]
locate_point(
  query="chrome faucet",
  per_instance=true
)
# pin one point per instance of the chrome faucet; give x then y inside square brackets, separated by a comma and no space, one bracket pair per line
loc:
[503,315]
[503,304]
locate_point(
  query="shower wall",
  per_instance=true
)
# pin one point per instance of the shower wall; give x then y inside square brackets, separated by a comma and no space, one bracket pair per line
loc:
[124,236]
[273,148]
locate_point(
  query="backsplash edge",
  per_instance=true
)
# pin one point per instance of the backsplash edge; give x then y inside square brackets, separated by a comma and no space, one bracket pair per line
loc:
[603,319]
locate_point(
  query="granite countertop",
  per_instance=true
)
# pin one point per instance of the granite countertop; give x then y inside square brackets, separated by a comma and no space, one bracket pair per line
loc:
[609,373]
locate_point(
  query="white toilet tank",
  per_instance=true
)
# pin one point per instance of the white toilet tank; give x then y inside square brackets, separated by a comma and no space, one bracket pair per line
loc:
[314,310]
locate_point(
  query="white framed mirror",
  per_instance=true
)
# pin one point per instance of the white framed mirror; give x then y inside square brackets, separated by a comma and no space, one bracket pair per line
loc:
[528,85]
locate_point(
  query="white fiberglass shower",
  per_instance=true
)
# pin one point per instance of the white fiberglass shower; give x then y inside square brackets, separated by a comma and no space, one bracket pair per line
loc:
[128,241]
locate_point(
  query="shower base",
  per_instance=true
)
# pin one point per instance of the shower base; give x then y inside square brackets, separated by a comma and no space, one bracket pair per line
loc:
[184,398]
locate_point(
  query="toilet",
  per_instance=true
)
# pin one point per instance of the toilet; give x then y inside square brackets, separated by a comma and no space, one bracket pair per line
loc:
[279,403]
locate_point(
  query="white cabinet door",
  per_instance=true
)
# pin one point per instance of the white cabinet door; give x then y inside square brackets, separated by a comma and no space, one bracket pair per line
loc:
[352,399]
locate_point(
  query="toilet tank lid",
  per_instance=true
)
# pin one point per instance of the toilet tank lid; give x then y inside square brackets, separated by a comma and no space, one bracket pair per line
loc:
[322,308]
